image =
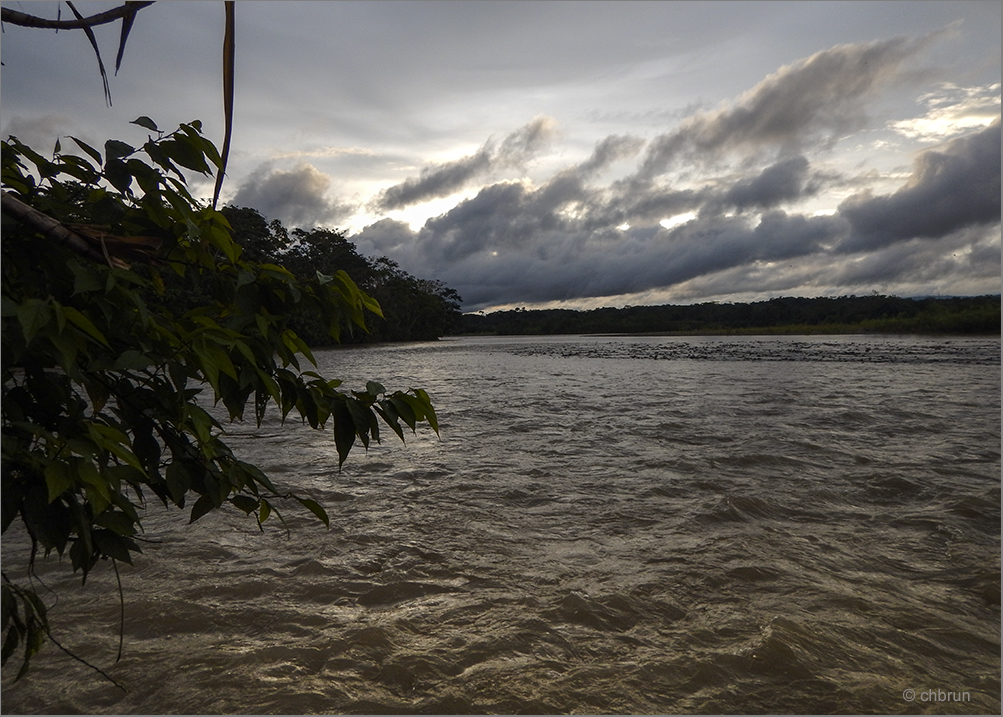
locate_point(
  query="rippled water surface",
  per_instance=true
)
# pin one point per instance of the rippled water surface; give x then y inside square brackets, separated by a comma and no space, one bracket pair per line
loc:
[607,524]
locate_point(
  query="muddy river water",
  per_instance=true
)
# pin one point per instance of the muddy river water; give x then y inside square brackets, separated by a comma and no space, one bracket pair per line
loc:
[606,524]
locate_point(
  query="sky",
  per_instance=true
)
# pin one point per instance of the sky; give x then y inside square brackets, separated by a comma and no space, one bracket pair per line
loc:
[576,154]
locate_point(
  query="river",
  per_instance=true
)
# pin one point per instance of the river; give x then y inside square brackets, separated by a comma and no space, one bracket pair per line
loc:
[606,524]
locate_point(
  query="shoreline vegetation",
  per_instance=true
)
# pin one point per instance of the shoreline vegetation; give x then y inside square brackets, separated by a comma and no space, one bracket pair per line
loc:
[873,314]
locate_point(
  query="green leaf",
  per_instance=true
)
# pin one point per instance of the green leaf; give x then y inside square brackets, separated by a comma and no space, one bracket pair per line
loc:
[98,392]
[314,507]
[292,341]
[118,522]
[132,360]
[184,152]
[147,176]
[178,481]
[202,422]
[13,638]
[84,324]
[85,279]
[404,409]
[245,277]
[33,315]
[79,169]
[160,157]
[115,441]
[113,545]
[389,415]
[117,172]
[364,420]
[202,506]
[245,502]
[371,304]
[98,490]
[94,154]
[344,431]
[203,145]
[8,307]
[58,479]
[179,375]
[104,410]
[427,409]
[208,364]
[146,448]
[146,122]
[57,309]
[114,149]
[255,473]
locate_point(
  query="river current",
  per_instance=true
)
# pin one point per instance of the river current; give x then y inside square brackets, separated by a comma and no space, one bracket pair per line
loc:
[606,525]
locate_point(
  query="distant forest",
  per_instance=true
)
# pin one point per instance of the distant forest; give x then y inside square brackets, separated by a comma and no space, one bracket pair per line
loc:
[414,309]
[787,315]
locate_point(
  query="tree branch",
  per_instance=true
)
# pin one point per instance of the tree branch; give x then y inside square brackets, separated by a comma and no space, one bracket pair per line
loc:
[48,226]
[24,20]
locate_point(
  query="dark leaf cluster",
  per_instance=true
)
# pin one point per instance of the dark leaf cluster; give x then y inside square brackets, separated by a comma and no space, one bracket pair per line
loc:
[413,309]
[109,384]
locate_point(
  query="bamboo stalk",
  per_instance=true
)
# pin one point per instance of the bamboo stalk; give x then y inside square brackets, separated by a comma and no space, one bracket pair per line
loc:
[44,224]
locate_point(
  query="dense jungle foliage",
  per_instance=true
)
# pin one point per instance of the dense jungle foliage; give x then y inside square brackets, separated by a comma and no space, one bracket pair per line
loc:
[413,309]
[129,312]
[844,314]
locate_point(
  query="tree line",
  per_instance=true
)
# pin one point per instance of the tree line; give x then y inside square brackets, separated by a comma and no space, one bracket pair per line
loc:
[844,314]
[414,309]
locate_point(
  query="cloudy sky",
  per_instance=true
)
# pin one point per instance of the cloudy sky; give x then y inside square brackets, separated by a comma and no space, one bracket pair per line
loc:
[578,154]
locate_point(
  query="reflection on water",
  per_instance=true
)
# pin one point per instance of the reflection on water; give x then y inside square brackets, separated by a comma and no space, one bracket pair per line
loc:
[617,525]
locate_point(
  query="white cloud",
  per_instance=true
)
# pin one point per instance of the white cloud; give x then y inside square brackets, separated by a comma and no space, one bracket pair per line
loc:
[323,152]
[951,111]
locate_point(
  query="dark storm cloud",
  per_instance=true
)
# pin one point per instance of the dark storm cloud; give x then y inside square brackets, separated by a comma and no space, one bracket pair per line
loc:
[520,146]
[814,100]
[297,197]
[971,252]
[441,180]
[562,241]
[950,189]
[574,264]
[514,243]
[609,150]
[438,181]
[644,206]
[570,238]
[985,254]
[387,236]
[497,216]
[782,182]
